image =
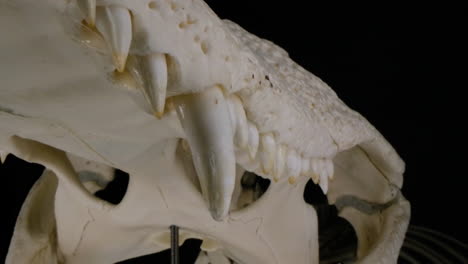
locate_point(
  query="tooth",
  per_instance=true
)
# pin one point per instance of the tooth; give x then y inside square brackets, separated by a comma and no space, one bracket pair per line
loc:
[293,163]
[205,119]
[151,74]
[314,165]
[305,166]
[324,182]
[115,25]
[280,162]
[330,169]
[3,156]
[267,152]
[209,245]
[89,8]
[240,120]
[253,140]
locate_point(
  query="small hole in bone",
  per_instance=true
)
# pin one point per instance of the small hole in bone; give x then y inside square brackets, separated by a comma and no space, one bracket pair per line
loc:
[253,187]
[204,47]
[153,5]
[116,189]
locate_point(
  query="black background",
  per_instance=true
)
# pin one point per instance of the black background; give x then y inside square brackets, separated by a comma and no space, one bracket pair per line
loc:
[402,67]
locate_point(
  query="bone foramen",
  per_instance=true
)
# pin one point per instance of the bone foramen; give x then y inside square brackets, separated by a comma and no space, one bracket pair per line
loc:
[127,84]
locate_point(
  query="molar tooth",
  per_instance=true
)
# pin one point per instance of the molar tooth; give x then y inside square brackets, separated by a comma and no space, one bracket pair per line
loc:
[240,120]
[115,25]
[267,152]
[89,8]
[293,163]
[280,162]
[253,140]
[205,119]
[151,74]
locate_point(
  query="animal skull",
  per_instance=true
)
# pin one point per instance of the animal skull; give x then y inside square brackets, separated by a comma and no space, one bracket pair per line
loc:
[185,103]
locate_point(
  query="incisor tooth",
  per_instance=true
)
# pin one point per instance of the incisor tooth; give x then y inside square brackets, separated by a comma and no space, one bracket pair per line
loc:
[329,167]
[305,166]
[205,119]
[293,163]
[89,9]
[115,25]
[240,120]
[151,74]
[253,140]
[315,170]
[280,162]
[267,152]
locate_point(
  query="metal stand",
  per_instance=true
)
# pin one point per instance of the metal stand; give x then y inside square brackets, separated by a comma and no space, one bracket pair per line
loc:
[174,244]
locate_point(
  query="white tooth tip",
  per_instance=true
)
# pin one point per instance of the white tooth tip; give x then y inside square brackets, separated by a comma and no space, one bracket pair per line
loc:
[120,60]
[324,183]
[315,177]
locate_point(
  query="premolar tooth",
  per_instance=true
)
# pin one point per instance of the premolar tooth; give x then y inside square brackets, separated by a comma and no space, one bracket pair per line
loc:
[253,140]
[279,162]
[115,25]
[205,119]
[151,74]
[293,163]
[330,169]
[267,152]
[89,8]
[240,122]
[305,166]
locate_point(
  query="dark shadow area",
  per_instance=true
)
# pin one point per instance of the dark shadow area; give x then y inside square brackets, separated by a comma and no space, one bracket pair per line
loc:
[116,189]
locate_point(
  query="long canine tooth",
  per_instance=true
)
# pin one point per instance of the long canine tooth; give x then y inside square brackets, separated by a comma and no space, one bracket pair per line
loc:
[89,8]
[293,163]
[205,119]
[280,162]
[267,152]
[151,74]
[115,25]
[253,140]
[240,120]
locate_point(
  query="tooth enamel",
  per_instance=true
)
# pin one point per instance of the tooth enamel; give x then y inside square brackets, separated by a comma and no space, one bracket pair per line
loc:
[324,182]
[305,166]
[315,170]
[115,25]
[279,162]
[151,74]
[205,119]
[293,163]
[240,120]
[330,169]
[3,156]
[89,8]
[267,151]
[253,140]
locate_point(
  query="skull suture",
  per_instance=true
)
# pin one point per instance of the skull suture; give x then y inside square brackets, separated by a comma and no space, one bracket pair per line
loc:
[208,101]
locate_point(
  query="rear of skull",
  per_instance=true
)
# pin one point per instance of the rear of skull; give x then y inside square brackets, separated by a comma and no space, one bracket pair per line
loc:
[219,131]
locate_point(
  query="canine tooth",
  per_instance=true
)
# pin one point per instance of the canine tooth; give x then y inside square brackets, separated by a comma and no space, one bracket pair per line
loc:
[253,140]
[305,166]
[267,152]
[279,162]
[240,120]
[324,182]
[293,163]
[205,119]
[115,25]
[89,8]
[151,74]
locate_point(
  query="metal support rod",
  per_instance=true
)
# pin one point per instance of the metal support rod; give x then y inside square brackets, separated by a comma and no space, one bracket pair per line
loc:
[174,244]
